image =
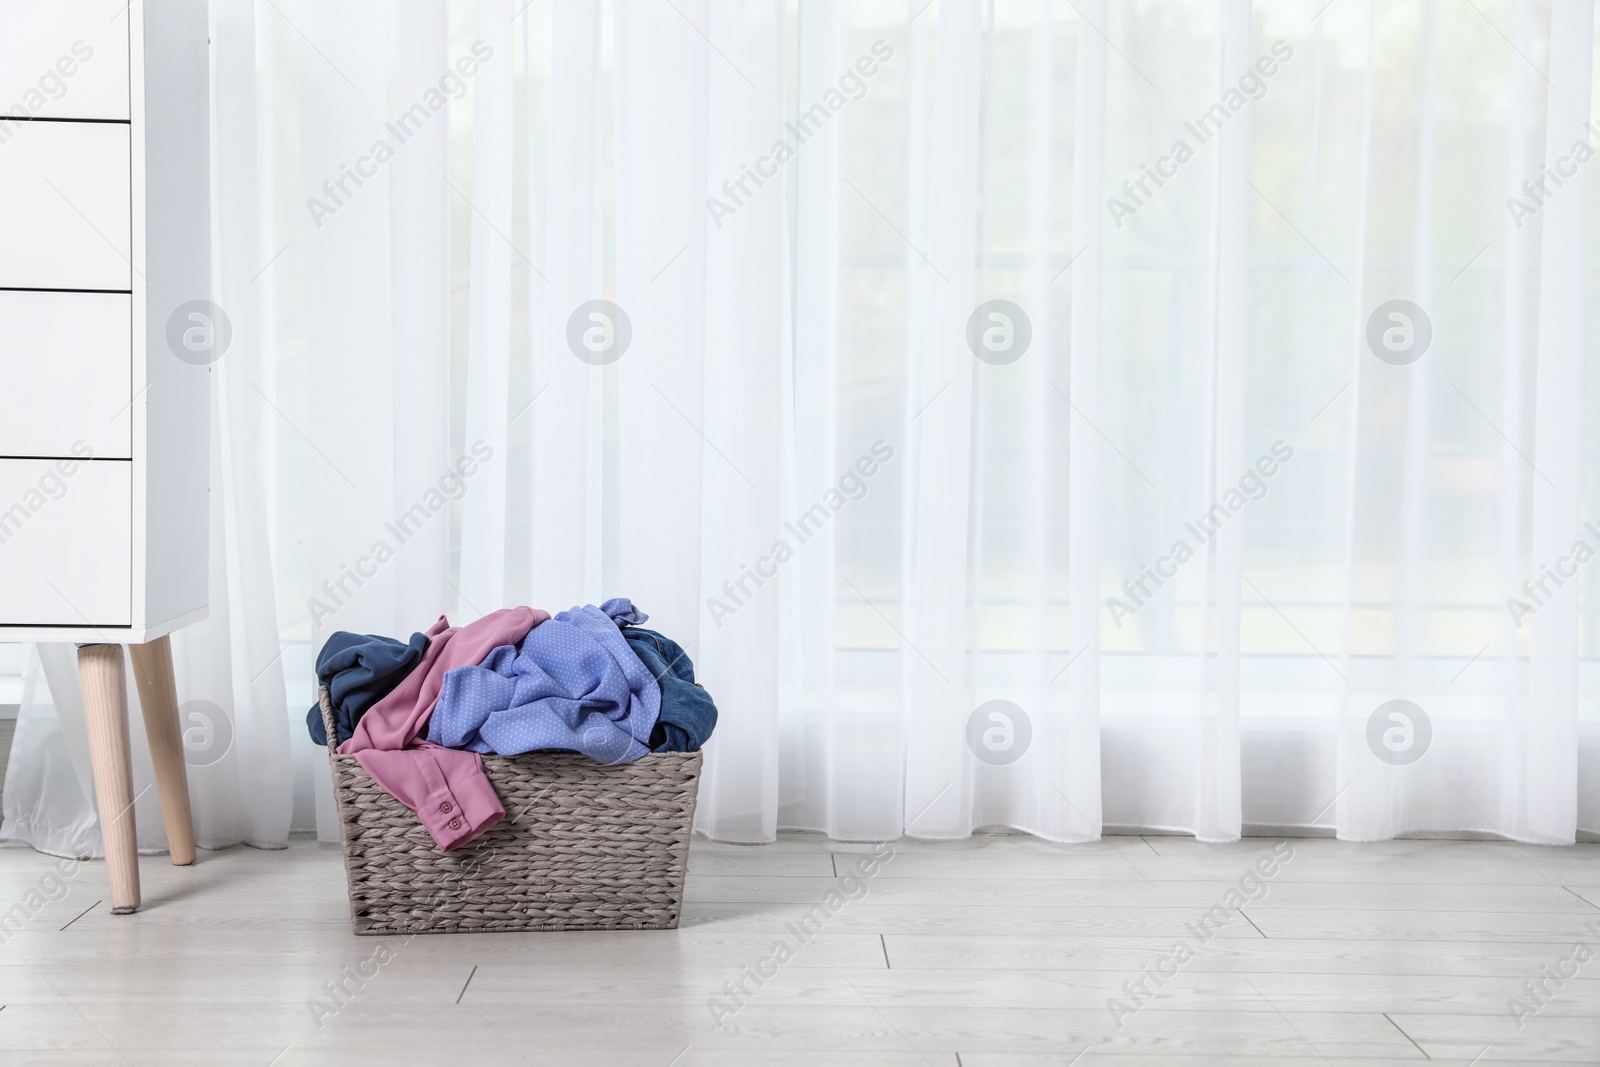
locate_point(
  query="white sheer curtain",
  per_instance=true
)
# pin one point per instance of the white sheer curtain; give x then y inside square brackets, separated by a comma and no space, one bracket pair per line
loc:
[1196,537]
[820,306]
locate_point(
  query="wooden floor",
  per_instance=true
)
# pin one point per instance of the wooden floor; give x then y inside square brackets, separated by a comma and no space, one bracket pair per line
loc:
[1000,951]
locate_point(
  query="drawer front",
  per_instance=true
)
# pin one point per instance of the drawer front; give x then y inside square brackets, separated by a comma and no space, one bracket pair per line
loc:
[67,363]
[64,58]
[66,188]
[66,543]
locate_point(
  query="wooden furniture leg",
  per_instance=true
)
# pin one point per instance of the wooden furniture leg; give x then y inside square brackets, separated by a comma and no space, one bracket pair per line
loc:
[105,709]
[158,697]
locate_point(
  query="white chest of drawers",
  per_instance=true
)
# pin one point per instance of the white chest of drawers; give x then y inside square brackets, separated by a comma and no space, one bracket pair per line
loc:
[105,244]
[105,280]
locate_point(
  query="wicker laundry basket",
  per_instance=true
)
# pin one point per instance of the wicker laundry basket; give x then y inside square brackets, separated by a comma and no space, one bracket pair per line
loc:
[583,846]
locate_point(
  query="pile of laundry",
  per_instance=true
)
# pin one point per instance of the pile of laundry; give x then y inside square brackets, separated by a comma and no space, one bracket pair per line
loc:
[420,716]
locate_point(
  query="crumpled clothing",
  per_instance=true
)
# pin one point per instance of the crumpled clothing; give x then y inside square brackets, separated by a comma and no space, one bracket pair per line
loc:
[359,670]
[572,684]
[447,789]
[688,714]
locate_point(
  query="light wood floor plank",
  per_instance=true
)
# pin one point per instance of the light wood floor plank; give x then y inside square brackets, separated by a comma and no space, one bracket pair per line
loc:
[1261,956]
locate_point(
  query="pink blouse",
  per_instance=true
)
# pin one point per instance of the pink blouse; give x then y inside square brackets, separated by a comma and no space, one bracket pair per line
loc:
[446,787]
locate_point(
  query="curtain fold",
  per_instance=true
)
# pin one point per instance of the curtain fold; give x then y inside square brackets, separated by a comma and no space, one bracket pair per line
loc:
[1077,667]
[483,542]
[665,458]
[420,312]
[1547,811]
[246,588]
[936,657]
[745,327]
[565,415]
[1217,803]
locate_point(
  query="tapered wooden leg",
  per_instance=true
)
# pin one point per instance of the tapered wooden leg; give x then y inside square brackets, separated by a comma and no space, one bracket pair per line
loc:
[105,709]
[158,697]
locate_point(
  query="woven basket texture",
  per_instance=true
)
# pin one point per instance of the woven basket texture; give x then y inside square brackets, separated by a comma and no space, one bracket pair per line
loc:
[583,846]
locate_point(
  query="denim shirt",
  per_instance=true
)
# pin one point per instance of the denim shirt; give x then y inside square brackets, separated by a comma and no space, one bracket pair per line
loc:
[360,670]
[688,714]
